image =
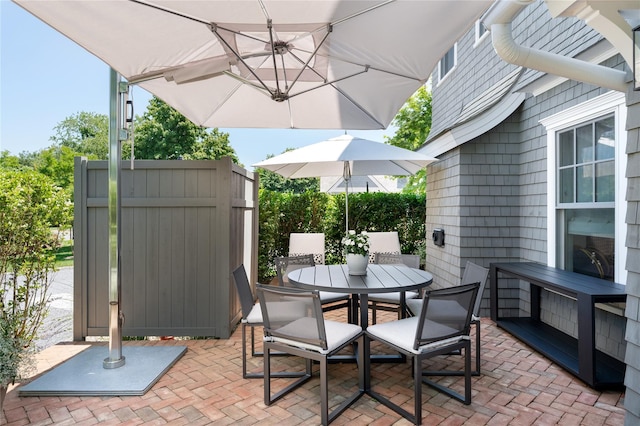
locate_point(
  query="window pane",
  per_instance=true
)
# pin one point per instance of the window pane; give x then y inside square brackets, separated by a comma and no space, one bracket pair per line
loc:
[447,62]
[589,242]
[566,186]
[481,29]
[584,184]
[605,139]
[565,141]
[584,144]
[605,181]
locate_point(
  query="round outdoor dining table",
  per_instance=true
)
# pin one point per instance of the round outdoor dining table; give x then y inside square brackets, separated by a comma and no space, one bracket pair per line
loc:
[380,278]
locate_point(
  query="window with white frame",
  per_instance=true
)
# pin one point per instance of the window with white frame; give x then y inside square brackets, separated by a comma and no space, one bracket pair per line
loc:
[481,32]
[586,187]
[447,63]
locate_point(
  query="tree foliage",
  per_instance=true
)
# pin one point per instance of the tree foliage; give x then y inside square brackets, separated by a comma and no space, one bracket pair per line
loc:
[56,162]
[30,204]
[273,181]
[414,123]
[86,133]
[162,133]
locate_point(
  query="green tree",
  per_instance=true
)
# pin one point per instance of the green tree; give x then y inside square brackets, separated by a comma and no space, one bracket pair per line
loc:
[9,162]
[214,144]
[56,162]
[273,181]
[85,132]
[162,133]
[414,123]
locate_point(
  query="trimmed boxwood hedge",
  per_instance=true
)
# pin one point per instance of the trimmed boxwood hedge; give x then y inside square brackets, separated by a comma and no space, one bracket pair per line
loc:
[284,213]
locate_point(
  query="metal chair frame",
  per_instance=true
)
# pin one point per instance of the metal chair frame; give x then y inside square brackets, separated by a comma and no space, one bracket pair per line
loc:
[247,305]
[461,344]
[290,346]
[411,260]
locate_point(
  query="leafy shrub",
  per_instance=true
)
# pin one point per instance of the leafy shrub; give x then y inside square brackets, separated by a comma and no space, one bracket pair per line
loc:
[284,213]
[29,206]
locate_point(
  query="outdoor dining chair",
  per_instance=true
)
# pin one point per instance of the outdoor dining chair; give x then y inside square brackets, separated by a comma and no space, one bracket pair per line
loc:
[472,273]
[309,336]
[428,335]
[391,301]
[301,243]
[330,300]
[383,242]
[252,317]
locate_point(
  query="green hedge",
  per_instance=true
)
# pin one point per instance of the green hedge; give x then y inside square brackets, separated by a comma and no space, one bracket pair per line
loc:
[284,213]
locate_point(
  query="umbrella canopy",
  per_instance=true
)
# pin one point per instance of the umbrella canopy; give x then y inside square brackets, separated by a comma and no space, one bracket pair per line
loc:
[362,157]
[269,63]
[346,156]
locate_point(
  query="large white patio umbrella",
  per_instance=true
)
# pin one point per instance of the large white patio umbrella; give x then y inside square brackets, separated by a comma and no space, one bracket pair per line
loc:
[346,156]
[334,64]
[330,64]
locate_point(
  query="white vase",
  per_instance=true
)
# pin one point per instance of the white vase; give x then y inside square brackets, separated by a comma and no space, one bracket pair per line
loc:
[357,264]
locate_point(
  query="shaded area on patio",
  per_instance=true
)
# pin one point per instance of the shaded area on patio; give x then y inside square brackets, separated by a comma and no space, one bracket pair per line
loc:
[517,386]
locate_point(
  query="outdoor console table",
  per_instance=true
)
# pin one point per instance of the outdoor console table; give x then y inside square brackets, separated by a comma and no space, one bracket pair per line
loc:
[578,356]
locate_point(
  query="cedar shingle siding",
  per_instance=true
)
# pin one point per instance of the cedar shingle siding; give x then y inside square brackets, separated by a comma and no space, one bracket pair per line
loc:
[490,193]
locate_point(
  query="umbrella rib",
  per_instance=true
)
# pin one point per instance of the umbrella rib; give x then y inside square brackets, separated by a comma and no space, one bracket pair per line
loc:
[357,105]
[214,28]
[306,64]
[362,12]
[173,12]
[331,82]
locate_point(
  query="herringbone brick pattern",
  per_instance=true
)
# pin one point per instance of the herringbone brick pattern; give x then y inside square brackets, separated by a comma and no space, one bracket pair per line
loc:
[517,387]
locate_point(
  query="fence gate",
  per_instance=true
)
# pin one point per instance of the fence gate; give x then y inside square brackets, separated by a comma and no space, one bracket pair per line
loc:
[185,226]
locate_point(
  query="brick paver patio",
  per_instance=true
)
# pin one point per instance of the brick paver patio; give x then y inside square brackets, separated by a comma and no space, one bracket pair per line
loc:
[517,387]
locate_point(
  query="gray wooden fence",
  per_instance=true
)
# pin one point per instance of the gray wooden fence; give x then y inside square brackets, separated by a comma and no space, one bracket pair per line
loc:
[185,226]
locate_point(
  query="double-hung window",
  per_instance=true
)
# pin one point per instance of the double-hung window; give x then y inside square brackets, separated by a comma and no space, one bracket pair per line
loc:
[447,63]
[586,160]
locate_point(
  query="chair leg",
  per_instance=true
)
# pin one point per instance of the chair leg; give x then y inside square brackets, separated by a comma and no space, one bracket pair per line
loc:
[301,377]
[267,376]
[466,399]
[245,375]
[467,374]
[324,392]
[254,353]
[417,390]
[476,372]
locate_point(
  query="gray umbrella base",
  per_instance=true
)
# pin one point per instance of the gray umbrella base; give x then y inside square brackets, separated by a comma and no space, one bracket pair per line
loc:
[84,375]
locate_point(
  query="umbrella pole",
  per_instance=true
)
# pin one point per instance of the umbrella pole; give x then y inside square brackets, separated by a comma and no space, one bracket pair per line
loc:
[346,174]
[115,358]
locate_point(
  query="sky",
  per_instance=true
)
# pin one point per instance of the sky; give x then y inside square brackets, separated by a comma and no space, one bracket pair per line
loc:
[45,78]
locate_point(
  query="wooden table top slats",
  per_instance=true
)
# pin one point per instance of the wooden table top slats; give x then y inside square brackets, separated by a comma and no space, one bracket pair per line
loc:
[379,278]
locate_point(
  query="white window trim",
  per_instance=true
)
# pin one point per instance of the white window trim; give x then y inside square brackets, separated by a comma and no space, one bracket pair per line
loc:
[441,78]
[611,102]
[479,38]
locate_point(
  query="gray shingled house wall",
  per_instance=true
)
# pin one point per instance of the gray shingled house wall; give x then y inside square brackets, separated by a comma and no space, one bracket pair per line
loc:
[632,358]
[490,194]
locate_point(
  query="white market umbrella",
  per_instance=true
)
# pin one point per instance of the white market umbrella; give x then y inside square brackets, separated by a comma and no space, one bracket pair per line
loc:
[330,64]
[346,156]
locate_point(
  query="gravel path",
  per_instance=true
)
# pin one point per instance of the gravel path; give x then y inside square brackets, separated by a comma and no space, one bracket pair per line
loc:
[58,326]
